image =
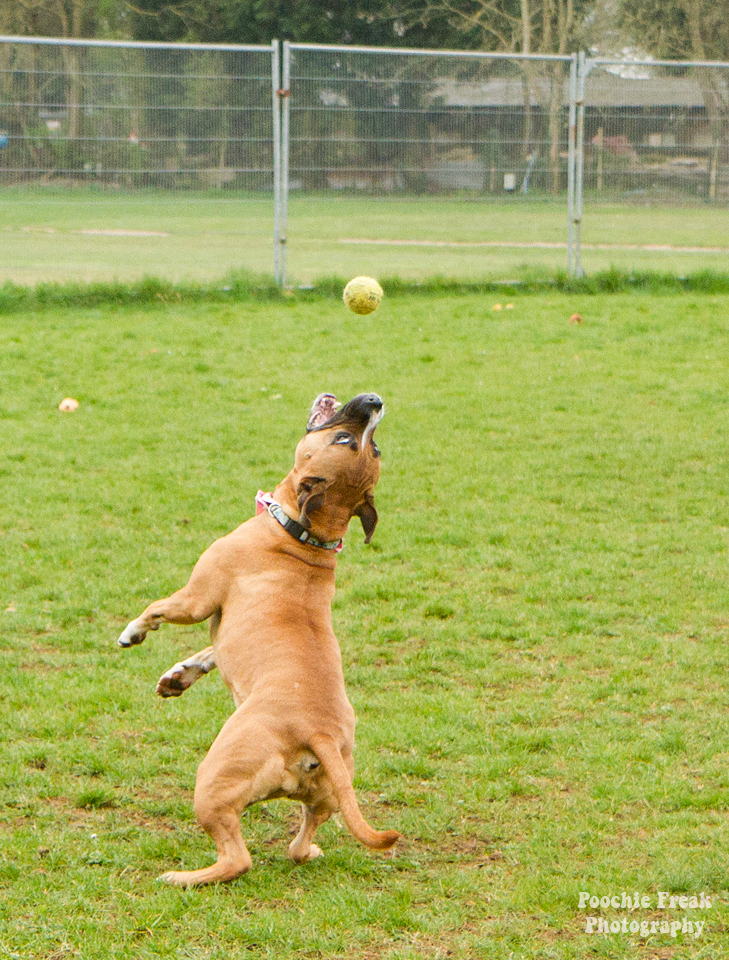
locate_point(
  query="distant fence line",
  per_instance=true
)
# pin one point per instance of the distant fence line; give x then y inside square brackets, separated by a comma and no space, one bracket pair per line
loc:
[307,118]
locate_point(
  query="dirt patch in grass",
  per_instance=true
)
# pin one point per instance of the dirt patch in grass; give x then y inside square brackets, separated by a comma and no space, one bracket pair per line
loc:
[463,848]
[45,651]
[422,945]
[104,818]
[160,824]
[43,667]
[660,953]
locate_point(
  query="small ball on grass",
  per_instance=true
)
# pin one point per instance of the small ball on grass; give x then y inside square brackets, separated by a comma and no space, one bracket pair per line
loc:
[68,404]
[362,295]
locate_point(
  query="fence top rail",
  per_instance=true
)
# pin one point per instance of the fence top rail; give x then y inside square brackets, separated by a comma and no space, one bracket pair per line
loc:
[139,44]
[408,52]
[614,61]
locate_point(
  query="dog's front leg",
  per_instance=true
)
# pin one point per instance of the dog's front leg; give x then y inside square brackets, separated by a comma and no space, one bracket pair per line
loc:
[183,607]
[181,677]
[199,599]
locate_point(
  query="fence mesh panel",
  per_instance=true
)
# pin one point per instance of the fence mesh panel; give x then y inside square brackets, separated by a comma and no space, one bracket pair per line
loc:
[656,138]
[124,159]
[153,123]
[367,126]
[136,117]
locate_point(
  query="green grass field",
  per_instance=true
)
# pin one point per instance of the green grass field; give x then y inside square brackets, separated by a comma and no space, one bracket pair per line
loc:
[535,642]
[57,236]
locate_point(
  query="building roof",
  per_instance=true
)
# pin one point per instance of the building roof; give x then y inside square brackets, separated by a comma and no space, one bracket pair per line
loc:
[602,89]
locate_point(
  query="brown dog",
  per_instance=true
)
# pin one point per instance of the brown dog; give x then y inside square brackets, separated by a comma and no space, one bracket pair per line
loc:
[268,588]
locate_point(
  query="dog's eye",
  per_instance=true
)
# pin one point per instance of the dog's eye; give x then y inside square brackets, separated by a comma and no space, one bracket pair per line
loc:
[346,439]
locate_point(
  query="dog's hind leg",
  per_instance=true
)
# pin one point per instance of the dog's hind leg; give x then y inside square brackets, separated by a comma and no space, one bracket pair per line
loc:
[244,765]
[302,849]
[181,677]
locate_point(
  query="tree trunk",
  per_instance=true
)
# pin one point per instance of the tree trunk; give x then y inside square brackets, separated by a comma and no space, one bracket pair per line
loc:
[717,108]
[526,45]
[74,97]
[73,27]
[555,125]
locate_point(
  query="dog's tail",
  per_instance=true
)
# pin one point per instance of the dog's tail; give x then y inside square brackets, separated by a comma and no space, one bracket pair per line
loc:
[330,756]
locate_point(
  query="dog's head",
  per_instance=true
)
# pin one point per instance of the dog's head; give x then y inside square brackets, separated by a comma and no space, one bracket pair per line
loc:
[337,466]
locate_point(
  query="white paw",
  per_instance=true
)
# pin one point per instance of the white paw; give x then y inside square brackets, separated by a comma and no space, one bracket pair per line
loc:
[299,857]
[177,679]
[131,635]
[175,878]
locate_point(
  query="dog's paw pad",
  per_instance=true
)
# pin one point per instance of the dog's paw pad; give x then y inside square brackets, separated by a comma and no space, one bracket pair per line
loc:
[177,679]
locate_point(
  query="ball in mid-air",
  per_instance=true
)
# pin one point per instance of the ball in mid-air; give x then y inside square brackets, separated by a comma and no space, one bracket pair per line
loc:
[362,295]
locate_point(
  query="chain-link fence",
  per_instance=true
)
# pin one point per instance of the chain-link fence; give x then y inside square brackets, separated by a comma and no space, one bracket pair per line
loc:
[655,140]
[399,158]
[141,132]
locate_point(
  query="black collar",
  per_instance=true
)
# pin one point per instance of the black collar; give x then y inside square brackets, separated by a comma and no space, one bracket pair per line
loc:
[297,531]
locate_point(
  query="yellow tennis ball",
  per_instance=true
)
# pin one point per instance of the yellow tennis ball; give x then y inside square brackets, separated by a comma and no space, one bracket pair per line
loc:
[362,295]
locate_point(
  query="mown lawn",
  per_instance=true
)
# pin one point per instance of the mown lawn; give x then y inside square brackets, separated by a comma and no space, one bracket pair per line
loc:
[51,235]
[535,642]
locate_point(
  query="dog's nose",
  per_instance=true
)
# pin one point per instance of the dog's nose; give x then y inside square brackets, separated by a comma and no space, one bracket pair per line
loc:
[372,400]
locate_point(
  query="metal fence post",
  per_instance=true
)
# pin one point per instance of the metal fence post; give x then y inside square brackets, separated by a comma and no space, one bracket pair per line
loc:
[284,94]
[276,119]
[571,168]
[583,69]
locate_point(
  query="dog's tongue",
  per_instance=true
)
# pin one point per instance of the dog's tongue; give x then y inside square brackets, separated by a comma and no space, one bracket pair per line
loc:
[323,409]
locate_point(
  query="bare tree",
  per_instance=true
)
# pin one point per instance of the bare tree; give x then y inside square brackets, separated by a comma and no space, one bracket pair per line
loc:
[509,26]
[677,29]
[56,18]
[689,29]
[60,18]
[514,26]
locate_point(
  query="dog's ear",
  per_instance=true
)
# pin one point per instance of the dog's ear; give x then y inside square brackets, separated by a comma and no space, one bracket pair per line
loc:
[322,410]
[311,492]
[368,515]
